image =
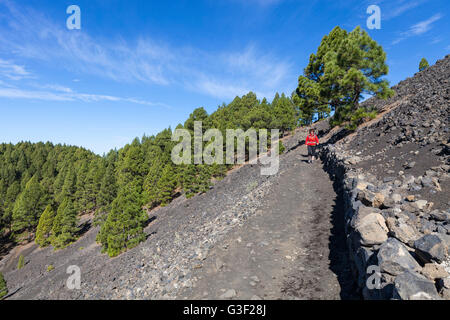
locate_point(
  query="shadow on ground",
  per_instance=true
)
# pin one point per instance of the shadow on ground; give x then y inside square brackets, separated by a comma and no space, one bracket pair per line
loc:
[339,256]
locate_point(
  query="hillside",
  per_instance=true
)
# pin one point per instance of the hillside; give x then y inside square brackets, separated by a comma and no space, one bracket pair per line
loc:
[299,234]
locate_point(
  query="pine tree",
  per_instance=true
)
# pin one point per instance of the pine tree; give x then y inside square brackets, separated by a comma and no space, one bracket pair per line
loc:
[124,226]
[69,186]
[44,227]
[151,190]
[284,117]
[106,195]
[28,207]
[3,286]
[11,196]
[307,98]
[64,227]
[346,66]
[423,64]
[94,180]
[187,177]
[166,185]
[81,193]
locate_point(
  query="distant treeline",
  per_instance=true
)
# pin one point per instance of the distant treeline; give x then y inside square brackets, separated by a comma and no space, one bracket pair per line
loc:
[45,187]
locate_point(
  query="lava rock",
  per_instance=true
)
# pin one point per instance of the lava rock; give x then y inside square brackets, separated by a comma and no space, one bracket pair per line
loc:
[413,286]
[394,258]
[370,198]
[371,228]
[402,231]
[434,271]
[430,248]
[229,294]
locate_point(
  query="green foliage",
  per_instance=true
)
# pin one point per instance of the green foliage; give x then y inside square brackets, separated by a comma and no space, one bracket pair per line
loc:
[33,176]
[28,206]
[166,185]
[50,268]
[44,227]
[359,116]
[281,147]
[423,64]
[3,286]
[21,262]
[123,228]
[106,194]
[347,66]
[151,191]
[284,114]
[8,204]
[64,227]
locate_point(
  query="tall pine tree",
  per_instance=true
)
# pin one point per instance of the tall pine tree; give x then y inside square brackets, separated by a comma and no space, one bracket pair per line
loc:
[124,226]
[45,226]
[28,207]
[65,225]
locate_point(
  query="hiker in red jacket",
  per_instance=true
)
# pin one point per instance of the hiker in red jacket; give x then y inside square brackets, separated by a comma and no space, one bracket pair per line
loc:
[311,141]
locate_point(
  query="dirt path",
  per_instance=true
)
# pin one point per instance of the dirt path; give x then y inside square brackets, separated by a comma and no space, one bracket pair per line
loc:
[291,249]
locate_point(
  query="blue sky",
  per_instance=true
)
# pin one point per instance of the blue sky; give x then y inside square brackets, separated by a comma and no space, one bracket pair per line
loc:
[138,67]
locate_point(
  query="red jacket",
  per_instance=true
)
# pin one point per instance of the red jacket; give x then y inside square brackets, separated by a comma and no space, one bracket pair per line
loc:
[312,140]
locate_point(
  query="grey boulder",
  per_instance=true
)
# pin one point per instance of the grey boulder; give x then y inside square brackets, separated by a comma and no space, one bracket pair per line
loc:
[394,258]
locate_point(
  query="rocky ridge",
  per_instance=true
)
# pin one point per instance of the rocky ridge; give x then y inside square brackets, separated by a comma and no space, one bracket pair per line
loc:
[394,174]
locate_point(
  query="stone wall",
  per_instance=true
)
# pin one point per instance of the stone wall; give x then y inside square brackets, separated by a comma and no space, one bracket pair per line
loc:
[398,245]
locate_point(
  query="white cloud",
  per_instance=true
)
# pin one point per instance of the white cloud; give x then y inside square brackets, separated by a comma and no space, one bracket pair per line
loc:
[424,26]
[54,87]
[393,9]
[60,93]
[34,38]
[12,71]
[13,93]
[418,28]
[436,40]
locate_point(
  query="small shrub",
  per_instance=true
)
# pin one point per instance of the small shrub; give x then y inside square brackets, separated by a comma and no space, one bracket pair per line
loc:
[50,268]
[281,147]
[3,286]
[423,64]
[21,262]
[360,116]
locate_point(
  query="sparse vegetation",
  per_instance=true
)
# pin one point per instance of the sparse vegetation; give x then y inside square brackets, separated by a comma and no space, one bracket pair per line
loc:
[359,116]
[21,262]
[50,268]
[423,64]
[3,286]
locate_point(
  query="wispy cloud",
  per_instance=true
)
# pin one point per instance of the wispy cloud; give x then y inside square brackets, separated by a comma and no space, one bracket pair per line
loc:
[33,37]
[395,9]
[60,93]
[436,40]
[419,28]
[424,26]
[12,71]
